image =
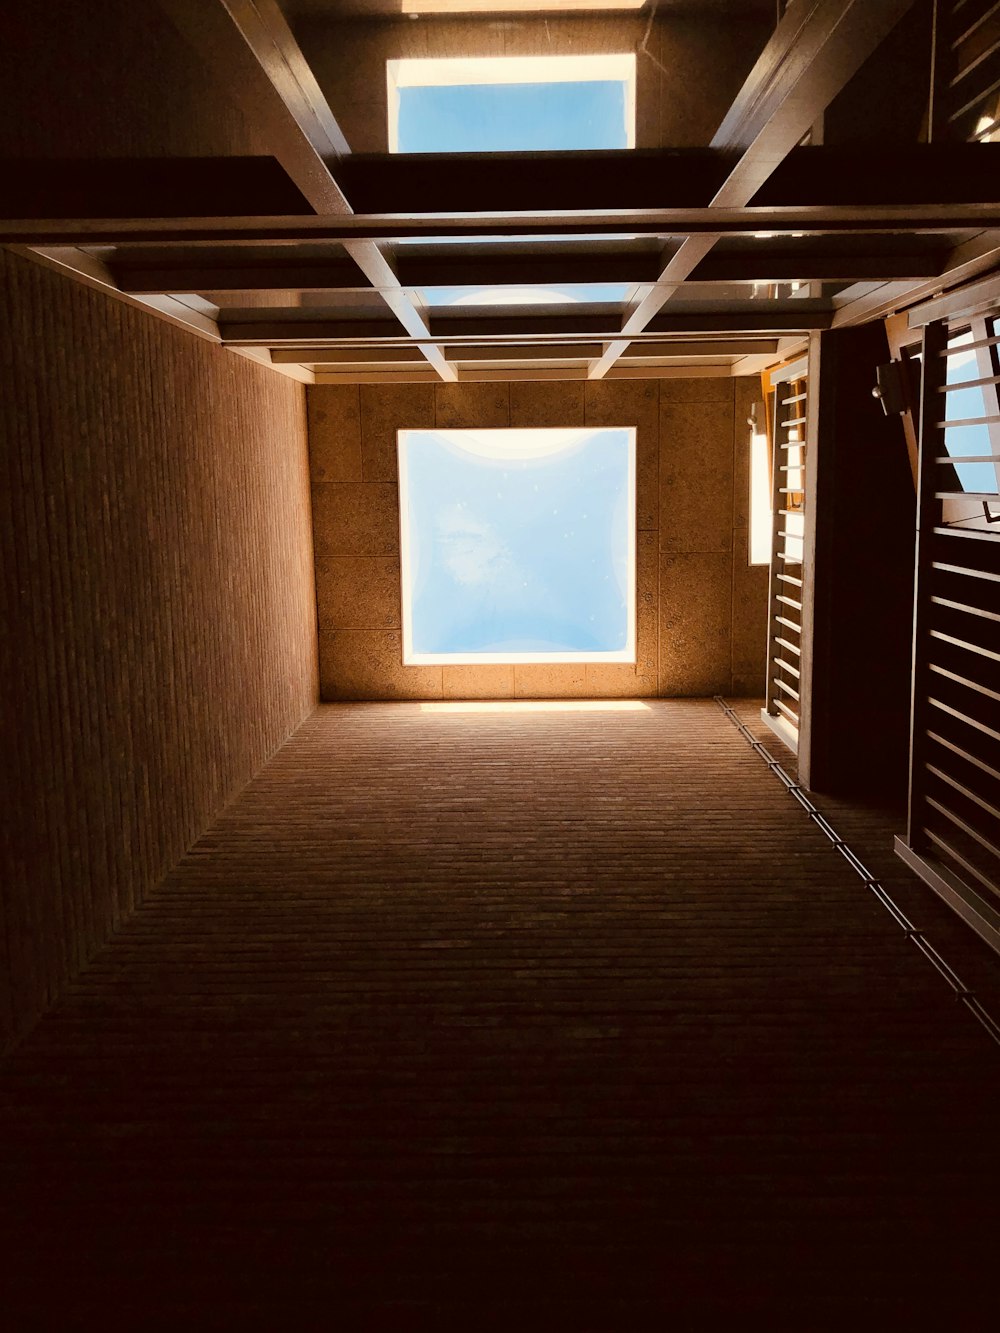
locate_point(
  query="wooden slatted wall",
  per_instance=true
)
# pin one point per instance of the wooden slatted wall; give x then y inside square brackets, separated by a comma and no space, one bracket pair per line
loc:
[967,70]
[953,834]
[789,400]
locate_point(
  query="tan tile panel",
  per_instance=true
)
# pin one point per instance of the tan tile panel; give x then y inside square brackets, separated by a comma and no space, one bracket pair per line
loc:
[471,406]
[358,592]
[550,680]
[696,466]
[750,603]
[703,389]
[647,582]
[695,624]
[620,680]
[545,404]
[368,664]
[386,409]
[334,432]
[489,681]
[355,518]
[621,402]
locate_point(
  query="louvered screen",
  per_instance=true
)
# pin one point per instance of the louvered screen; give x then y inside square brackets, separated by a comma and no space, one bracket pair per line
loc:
[955,760]
[967,70]
[789,400]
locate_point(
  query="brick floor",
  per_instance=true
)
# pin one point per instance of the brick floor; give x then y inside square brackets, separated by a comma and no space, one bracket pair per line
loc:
[472,1020]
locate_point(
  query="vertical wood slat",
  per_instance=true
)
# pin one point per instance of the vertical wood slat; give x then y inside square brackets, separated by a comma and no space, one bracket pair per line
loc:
[159,611]
[934,372]
[810,465]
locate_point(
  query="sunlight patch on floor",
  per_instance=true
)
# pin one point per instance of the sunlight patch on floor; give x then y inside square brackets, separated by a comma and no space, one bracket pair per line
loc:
[539,706]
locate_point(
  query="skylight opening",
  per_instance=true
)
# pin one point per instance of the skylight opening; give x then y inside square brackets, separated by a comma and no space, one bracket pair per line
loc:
[517,545]
[506,104]
[590,293]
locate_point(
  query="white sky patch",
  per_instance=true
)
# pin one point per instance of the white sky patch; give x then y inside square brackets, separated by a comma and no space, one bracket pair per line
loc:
[472,550]
[517,296]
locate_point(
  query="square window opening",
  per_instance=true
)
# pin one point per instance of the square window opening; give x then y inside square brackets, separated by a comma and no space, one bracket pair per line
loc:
[504,104]
[518,545]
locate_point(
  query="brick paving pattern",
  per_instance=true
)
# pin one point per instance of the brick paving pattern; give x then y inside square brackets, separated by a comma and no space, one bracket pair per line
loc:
[475,1020]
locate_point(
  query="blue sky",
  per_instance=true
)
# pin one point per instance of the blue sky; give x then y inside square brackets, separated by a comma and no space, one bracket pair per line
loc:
[518,555]
[968,440]
[512,117]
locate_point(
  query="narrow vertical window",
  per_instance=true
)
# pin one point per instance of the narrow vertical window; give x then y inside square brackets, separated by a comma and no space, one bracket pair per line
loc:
[760,493]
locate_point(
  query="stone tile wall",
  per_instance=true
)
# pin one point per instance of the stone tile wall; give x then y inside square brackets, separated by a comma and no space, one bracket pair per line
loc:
[702,610]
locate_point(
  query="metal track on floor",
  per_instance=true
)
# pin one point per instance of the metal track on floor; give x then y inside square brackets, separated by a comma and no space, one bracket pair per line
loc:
[870,881]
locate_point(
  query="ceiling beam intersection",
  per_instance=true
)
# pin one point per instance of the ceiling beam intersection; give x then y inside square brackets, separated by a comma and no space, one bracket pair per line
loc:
[812,54]
[250,42]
